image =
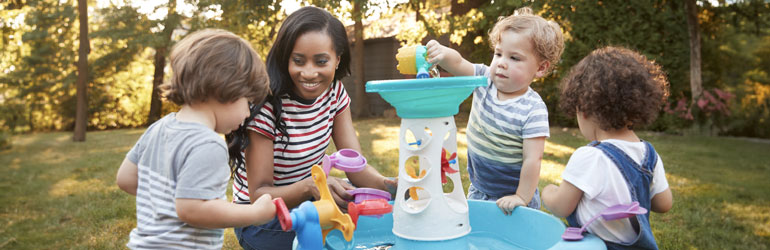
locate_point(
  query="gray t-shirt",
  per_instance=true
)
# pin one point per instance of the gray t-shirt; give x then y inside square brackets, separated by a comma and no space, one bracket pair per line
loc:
[177,160]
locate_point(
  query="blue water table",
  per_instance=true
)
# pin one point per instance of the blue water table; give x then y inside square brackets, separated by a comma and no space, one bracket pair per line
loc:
[430,210]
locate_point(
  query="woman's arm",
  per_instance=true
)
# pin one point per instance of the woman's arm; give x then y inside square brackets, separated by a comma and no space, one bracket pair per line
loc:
[259,172]
[344,135]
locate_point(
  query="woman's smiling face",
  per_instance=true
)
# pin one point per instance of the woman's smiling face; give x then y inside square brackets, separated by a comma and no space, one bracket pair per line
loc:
[312,64]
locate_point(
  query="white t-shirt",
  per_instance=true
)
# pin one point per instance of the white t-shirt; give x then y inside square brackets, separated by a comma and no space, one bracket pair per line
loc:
[603,185]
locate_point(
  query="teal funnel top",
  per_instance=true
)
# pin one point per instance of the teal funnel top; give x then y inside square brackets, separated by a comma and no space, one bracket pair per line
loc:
[426,98]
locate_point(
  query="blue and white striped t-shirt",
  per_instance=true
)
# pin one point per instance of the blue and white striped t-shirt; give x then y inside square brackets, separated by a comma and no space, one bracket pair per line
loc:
[176,160]
[496,132]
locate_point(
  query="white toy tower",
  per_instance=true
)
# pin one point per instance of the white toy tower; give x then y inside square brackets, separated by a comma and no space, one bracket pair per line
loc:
[425,209]
[422,210]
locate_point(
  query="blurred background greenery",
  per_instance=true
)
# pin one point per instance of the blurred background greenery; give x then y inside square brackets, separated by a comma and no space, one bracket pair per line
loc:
[129,42]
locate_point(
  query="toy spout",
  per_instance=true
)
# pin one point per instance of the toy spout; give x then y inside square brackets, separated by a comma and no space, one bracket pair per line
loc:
[412,61]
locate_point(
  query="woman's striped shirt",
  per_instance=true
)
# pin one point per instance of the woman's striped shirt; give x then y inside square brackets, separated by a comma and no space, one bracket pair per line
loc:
[309,126]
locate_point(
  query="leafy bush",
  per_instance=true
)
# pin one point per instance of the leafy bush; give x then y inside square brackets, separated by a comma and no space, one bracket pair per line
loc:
[710,114]
[752,114]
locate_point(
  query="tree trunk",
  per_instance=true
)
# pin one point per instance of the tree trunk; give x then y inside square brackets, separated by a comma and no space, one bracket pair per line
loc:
[458,10]
[696,84]
[160,62]
[157,80]
[359,97]
[81,108]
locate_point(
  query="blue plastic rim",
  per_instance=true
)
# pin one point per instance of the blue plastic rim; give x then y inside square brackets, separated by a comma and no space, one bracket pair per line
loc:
[426,98]
[525,228]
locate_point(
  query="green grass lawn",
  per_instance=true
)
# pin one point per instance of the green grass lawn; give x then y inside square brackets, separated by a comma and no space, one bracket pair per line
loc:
[58,194]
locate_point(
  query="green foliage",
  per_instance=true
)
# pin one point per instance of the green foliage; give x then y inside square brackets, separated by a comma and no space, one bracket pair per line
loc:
[39,40]
[257,21]
[655,28]
[733,58]
[44,70]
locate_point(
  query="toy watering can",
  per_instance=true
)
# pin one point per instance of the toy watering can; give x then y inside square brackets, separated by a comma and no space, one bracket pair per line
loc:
[411,61]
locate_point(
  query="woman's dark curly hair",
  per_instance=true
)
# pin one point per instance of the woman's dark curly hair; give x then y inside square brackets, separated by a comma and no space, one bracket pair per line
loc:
[615,86]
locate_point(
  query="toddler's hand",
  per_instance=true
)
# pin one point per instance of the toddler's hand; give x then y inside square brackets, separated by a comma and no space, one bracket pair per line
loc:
[508,203]
[436,53]
[264,208]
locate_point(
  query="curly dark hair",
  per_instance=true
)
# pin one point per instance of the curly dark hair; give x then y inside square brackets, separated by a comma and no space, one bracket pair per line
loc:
[617,87]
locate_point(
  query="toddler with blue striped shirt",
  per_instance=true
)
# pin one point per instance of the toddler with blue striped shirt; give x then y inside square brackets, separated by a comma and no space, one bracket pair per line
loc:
[178,169]
[508,121]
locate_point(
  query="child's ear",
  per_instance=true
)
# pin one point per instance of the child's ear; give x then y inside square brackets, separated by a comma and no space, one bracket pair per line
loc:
[542,69]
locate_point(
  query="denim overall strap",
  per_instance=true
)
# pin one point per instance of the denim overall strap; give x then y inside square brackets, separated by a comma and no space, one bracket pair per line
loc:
[638,178]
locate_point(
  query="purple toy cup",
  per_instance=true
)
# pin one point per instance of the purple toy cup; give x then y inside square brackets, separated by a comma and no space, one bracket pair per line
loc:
[362,194]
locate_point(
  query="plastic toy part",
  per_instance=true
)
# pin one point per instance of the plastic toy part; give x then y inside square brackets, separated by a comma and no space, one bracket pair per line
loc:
[363,194]
[411,61]
[426,98]
[411,172]
[283,214]
[447,169]
[306,224]
[347,160]
[413,192]
[374,207]
[329,215]
[525,228]
[312,221]
[611,213]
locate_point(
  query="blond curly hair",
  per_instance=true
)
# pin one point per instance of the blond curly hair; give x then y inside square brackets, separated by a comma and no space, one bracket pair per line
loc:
[546,36]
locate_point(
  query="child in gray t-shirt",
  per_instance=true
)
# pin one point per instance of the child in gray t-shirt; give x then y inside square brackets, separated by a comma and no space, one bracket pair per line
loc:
[178,169]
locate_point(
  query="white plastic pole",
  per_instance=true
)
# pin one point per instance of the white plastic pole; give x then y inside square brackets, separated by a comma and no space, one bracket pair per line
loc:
[435,215]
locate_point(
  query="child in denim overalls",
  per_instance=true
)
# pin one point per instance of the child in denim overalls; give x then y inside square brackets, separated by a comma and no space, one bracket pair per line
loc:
[611,91]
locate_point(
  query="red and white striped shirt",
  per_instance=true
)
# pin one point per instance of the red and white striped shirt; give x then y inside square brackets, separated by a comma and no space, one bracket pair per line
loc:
[309,126]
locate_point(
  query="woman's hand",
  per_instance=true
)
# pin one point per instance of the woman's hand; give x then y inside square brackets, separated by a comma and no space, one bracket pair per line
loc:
[391,184]
[338,188]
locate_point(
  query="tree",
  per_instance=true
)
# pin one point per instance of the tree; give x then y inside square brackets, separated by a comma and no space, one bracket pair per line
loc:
[82,101]
[362,105]
[255,20]
[696,84]
[161,51]
[45,74]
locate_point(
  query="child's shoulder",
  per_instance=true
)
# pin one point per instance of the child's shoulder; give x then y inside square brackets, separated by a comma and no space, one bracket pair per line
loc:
[480,69]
